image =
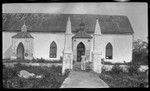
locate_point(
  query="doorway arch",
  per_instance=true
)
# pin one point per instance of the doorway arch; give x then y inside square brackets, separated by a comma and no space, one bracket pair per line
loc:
[20,51]
[80,51]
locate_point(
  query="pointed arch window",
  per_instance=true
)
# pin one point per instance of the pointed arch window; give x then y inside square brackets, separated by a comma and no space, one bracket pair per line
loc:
[20,51]
[109,51]
[53,50]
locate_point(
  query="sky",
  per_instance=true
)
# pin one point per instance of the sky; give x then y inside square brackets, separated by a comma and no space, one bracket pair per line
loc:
[136,12]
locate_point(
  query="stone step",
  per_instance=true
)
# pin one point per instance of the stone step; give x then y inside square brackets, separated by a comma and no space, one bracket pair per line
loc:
[77,67]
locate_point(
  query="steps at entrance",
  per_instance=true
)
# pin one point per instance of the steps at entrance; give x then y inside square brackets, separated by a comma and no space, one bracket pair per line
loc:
[77,66]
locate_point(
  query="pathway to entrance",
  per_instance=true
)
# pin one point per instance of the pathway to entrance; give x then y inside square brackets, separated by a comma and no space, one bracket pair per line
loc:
[80,79]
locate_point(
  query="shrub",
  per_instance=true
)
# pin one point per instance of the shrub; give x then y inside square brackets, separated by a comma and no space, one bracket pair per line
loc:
[9,73]
[41,60]
[116,69]
[133,69]
[67,71]
[18,67]
[33,60]
[140,52]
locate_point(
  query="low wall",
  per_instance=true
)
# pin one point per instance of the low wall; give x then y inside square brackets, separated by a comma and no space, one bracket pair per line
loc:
[33,64]
[142,68]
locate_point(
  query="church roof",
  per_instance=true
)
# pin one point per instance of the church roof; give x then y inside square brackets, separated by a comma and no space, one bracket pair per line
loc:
[82,34]
[22,35]
[42,22]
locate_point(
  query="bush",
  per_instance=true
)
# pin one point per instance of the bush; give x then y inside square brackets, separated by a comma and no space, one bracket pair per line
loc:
[67,71]
[116,69]
[140,52]
[133,69]
[18,67]
[9,73]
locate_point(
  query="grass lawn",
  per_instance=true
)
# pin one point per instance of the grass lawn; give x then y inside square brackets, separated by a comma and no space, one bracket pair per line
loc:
[124,80]
[52,77]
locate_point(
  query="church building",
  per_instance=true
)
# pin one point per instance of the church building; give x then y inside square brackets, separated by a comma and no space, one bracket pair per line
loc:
[70,36]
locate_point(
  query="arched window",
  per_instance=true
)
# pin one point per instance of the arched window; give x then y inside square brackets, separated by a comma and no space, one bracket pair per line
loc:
[20,51]
[109,51]
[53,50]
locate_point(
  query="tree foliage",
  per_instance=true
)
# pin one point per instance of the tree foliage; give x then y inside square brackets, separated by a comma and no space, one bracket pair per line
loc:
[140,52]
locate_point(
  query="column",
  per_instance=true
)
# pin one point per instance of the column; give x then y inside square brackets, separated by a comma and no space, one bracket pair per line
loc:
[67,54]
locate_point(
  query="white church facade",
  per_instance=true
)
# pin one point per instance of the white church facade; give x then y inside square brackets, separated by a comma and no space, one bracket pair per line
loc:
[52,36]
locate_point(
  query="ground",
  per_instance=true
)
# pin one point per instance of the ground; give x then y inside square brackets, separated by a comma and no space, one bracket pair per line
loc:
[80,79]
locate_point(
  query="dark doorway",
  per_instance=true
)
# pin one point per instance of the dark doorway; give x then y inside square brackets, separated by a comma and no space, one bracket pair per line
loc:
[20,51]
[80,51]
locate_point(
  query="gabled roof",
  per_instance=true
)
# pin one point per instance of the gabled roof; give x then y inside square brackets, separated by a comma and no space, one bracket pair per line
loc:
[41,22]
[22,35]
[82,34]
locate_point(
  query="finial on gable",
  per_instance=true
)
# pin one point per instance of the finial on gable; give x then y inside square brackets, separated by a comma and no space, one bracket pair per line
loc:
[24,28]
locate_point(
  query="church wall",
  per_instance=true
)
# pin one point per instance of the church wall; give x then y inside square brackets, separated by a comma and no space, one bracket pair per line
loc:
[28,47]
[9,50]
[42,43]
[6,43]
[122,47]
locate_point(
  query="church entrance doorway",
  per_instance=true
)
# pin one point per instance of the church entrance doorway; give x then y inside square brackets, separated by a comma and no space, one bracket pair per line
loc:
[80,51]
[20,51]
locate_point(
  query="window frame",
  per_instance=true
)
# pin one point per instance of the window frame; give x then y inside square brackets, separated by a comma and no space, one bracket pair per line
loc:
[53,50]
[109,48]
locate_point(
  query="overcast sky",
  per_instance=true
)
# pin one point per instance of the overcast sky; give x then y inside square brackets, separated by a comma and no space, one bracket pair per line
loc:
[136,12]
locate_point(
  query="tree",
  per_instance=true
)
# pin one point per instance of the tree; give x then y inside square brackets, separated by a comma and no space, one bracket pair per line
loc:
[140,52]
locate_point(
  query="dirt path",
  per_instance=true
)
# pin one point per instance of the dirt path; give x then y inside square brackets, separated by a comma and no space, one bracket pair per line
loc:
[80,79]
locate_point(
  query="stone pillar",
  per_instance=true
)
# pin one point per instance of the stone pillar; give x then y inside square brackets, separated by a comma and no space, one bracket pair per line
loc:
[67,54]
[67,62]
[97,62]
[96,50]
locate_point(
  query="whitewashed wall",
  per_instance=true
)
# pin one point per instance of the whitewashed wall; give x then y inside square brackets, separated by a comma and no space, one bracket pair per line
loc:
[27,44]
[42,43]
[7,43]
[122,47]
